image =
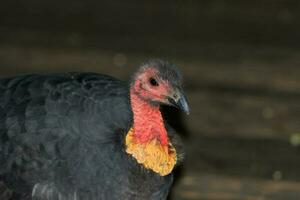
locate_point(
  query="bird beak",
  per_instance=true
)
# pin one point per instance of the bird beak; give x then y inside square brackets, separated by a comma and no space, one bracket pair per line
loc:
[179,100]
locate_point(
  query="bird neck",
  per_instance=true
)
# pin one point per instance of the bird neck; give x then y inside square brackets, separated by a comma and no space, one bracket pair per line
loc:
[148,122]
[147,139]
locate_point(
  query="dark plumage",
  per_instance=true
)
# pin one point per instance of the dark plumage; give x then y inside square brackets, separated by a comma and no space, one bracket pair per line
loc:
[62,138]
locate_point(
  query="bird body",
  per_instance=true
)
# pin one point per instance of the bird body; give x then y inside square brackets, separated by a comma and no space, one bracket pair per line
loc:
[64,137]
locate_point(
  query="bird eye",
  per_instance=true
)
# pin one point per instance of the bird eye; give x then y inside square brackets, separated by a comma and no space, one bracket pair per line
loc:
[153,82]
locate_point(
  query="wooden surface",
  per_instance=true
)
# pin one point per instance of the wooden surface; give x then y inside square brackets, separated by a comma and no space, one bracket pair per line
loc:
[212,187]
[240,61]
[242,136]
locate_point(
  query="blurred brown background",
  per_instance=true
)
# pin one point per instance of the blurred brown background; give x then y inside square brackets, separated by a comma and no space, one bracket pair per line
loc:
[240,60]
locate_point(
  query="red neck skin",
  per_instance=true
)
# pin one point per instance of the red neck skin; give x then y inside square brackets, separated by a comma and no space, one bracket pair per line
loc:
[148,123]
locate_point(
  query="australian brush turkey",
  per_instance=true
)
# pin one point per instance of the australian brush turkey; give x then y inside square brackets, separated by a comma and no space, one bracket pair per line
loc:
[87,136]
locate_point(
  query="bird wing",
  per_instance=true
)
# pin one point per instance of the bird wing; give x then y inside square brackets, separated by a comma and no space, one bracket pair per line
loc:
[55,128]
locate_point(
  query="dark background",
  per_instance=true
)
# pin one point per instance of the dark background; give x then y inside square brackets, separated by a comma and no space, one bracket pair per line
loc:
[240,61]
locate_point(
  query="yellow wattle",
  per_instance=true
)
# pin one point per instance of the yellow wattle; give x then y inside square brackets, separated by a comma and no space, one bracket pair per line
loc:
[152,155]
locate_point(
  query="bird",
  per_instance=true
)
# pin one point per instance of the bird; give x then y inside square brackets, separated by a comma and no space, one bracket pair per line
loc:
[89,136]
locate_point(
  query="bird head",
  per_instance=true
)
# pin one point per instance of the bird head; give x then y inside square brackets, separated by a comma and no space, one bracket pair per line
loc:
[160,82]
